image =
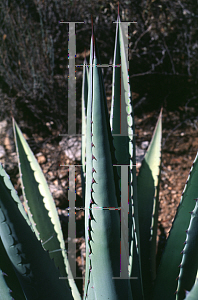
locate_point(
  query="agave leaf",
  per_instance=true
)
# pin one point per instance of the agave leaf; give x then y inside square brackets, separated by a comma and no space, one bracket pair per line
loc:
[168,269]
[5,292]
[155,165]
[122,121]
[42,207]
[84,121]
[121,143]
[134,269]
[9,284]
[103,224]
[147,186]
[28,212]
[87,289]
[189,263]
[35,270]
[193,294]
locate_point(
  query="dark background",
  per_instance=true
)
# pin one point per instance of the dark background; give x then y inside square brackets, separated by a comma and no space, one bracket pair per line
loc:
[34,54]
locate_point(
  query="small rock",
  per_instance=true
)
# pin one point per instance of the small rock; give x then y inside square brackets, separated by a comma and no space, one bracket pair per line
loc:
[2,152]
[62,173]
[40,158]
[3,125]
[51,175]
[14,157]
[64,183]
[9,141]
[55,182]
[144,145]
[55,190]
[139,154]
[71,147]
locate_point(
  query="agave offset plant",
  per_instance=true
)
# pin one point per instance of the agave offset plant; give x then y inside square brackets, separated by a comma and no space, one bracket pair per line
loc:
[32,248]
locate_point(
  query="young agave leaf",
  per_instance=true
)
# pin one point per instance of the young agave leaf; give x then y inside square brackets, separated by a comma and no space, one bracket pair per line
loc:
[84,121]
[189,263]
[121,120]
[88,280]
[103,231]
[10,287]
[168,269]
[147,186]
[35,270]
[121,143]
[42,207]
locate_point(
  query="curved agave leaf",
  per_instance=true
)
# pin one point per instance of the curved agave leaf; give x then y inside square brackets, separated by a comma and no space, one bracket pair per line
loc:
[189,263]
[42,207]
[35,270]
[103,224]
[9,284]
[147,186]
[28,212]
[168,269]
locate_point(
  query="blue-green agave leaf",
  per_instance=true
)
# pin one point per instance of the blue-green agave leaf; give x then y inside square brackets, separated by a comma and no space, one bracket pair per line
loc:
[147,187]
[9,284]
[168,269]
[155,165]
[193,294]
[121,143]
[103,224]
[120,120]
[88,292]
[84,121]
[189,263]
[34,268]
[5,291]
[42,207]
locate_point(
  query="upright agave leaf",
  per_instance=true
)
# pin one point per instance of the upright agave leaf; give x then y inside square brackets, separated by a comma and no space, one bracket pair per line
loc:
[121,121]
[10,287]
[147,188]
[84,121]
[121,143]
[103,225]
[35,270]
[168,270]
[42,208]
[88,280]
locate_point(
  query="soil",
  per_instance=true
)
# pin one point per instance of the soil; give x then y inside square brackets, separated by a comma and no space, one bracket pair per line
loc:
[179,147]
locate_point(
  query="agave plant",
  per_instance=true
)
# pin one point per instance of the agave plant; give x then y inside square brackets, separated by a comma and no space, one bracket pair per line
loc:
[32,250]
